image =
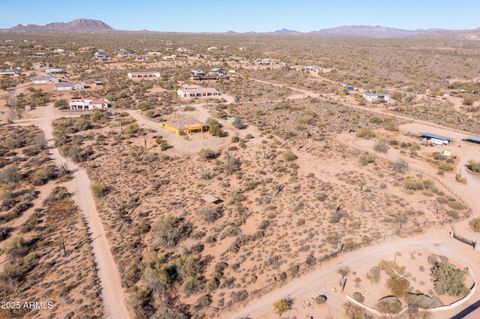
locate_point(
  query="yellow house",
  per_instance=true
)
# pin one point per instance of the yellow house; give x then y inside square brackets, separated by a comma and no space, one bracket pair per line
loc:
[185,126]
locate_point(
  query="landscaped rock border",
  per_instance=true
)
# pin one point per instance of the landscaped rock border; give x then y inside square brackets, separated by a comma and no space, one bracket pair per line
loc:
[436,309]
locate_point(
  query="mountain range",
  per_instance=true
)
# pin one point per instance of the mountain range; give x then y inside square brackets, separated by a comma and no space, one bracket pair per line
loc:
[90,25]
[78,25]
[367,31]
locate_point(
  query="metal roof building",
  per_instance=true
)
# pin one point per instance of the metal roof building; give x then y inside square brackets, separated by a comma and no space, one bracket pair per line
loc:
[472,139]
[429,136]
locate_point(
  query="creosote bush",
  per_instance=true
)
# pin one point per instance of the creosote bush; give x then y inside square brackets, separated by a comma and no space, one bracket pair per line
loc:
[400,165]
[475,224]
[282,306]
[474,166]
[366,133]
[289,156]
[381,147]
[207,154]
[367,158]
[170,230]
[99,189]
[448,279]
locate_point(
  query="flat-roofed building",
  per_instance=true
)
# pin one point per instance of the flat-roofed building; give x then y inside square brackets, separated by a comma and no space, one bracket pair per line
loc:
[311,68]
[143,75]
[55,71]
[89,104]
[264,62]
[40,65]
[434,138]
[472,139]
[185,126]
[376,97]
[196,72]
[9,73]
[44,80]
[213,74]
[169,57]
[193,91]
[101,56]
[69,86]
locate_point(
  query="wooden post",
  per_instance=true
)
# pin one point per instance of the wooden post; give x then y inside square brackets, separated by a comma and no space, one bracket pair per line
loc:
[63,245]
[344,284]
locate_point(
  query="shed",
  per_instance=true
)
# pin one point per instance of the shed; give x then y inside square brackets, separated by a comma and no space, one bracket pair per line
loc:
[212,199]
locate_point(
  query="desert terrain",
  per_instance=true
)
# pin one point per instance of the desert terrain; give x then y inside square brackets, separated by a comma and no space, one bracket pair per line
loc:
[293,177]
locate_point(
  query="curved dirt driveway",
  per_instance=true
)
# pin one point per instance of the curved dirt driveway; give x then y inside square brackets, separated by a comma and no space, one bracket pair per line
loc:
[110,281]
[310,285]
[434,241]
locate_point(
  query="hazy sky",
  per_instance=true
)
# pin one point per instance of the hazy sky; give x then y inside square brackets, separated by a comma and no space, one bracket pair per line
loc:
[246,15]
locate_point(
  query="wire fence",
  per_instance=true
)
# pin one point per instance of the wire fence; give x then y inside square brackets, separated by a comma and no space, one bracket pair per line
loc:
[307,268]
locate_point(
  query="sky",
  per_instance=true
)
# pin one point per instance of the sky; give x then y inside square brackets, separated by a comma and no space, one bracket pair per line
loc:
[246,15]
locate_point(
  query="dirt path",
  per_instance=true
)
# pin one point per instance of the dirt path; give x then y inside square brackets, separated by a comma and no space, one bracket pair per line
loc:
[302,91]
[194,143]
[465,192]
[108,273]
[306,287]
[435,241]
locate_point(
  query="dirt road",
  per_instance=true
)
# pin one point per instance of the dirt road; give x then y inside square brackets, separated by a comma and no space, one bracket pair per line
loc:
[436,241]
[306,287]
[112,291]
[367,109]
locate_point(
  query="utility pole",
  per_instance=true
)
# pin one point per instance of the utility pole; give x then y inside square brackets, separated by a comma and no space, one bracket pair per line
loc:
[63,245]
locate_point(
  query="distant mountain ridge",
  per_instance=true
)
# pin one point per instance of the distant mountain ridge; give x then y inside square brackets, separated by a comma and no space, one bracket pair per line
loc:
[286,31]
[77,25]
[366,31]
[360,31]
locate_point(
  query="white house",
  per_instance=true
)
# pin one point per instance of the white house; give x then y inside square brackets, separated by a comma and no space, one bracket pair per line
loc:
[141,75]
[195,72]
[264,61]
[69,86]
[218,71]
[44,80]
[123,54]
[153,53]
[169,57]
[101,56]
[371,97]
[55,71]
[9,73]
[88,104]
[193,91]
[312,68]
[40,65]
[212,48]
